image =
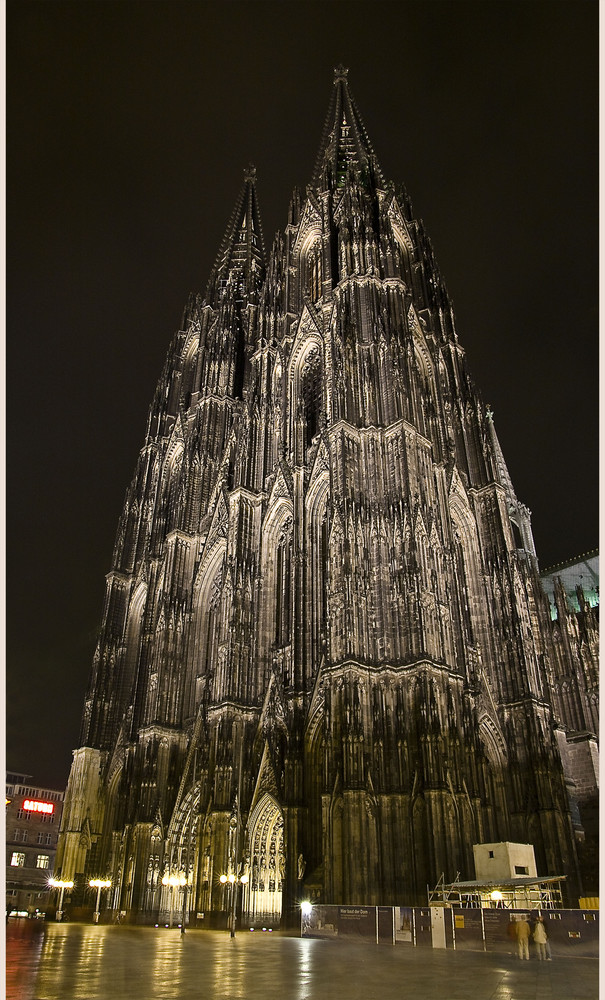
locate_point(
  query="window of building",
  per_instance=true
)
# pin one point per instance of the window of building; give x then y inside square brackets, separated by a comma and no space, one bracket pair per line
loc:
[311,392]
[42,861]
[491,854]
[314,275]
[48,839]
[40,838]
[24,835]
[521,870]
[283,581]
[517,535]
[17,859]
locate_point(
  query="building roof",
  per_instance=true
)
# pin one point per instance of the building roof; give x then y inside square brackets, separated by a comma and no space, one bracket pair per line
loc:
[507,883]
[583,571]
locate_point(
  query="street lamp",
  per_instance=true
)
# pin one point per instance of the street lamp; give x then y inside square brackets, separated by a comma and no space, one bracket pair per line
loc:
[98,884]
[58,883]
[233,881]
[173,881]
[306,909]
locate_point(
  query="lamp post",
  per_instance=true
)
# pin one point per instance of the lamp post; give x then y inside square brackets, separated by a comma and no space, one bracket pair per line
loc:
[58,883]
[98,884]
[173,881]
[233,880]
[306,909]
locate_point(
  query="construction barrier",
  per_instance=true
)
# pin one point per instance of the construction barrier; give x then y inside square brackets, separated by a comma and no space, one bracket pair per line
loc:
[570,932]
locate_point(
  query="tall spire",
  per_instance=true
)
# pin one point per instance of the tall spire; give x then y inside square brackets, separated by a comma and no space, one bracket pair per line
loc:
[344,140]
[501,467]
[241,258]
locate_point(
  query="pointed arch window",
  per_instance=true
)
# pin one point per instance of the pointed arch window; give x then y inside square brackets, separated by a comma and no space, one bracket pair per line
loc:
[283,574]
[314,272]
[213,624]
[462,578]
[311,393]
[173,488]
[209,628]
[318,571]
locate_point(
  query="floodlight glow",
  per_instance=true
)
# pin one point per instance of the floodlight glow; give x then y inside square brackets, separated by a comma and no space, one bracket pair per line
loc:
[174,880]
[496,895]
[244,879]
[306,908]
[223,879]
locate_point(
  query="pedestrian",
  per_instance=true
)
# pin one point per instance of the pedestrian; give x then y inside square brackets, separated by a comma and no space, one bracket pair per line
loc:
[541,940]
[523,931]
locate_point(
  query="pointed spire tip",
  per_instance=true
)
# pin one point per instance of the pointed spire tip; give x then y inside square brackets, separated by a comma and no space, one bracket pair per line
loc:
[250,172]
[340,73]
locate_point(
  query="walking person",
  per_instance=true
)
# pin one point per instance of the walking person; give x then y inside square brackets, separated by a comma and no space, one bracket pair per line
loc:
[523,931]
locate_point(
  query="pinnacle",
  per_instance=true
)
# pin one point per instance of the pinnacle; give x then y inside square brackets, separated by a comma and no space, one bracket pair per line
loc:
[345,141]
[500,463]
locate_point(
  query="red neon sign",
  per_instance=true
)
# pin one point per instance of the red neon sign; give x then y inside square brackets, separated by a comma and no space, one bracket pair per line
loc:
[32,805]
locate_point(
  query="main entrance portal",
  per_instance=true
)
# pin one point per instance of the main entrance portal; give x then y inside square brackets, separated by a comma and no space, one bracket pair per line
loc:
[262,897]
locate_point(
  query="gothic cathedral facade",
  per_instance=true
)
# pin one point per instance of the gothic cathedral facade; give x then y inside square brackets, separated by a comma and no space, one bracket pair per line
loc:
[326,660]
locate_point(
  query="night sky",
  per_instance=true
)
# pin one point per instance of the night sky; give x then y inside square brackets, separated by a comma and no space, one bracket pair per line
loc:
[129,125]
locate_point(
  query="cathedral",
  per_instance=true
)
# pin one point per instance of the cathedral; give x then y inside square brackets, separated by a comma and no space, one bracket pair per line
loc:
[326,664]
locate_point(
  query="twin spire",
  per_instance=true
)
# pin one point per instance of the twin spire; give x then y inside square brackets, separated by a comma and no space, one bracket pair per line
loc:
[241,258]
[344,145]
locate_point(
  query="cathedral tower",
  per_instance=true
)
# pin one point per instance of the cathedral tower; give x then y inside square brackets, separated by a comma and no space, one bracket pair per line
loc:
[326,659]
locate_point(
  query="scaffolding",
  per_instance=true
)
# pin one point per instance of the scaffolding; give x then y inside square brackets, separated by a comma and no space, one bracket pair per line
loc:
[538,893]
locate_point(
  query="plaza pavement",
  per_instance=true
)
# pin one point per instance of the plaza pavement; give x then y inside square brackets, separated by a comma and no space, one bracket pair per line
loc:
[46,961]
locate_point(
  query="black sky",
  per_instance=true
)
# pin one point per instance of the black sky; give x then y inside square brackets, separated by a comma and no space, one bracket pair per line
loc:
[128,128]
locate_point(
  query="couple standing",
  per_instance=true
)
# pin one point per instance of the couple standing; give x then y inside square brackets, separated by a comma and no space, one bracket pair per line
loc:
[523,933]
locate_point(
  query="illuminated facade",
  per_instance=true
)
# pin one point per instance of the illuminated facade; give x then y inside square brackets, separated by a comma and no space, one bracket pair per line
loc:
[33,817]
[326,659]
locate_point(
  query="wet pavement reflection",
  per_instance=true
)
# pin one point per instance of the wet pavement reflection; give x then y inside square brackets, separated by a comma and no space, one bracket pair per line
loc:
[92,962]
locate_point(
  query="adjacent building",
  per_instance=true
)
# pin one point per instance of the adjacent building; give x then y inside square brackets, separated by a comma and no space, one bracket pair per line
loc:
[579,578]
[326,659]
[33,818]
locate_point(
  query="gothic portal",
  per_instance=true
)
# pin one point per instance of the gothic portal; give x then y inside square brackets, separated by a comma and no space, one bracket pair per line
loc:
[326,661]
